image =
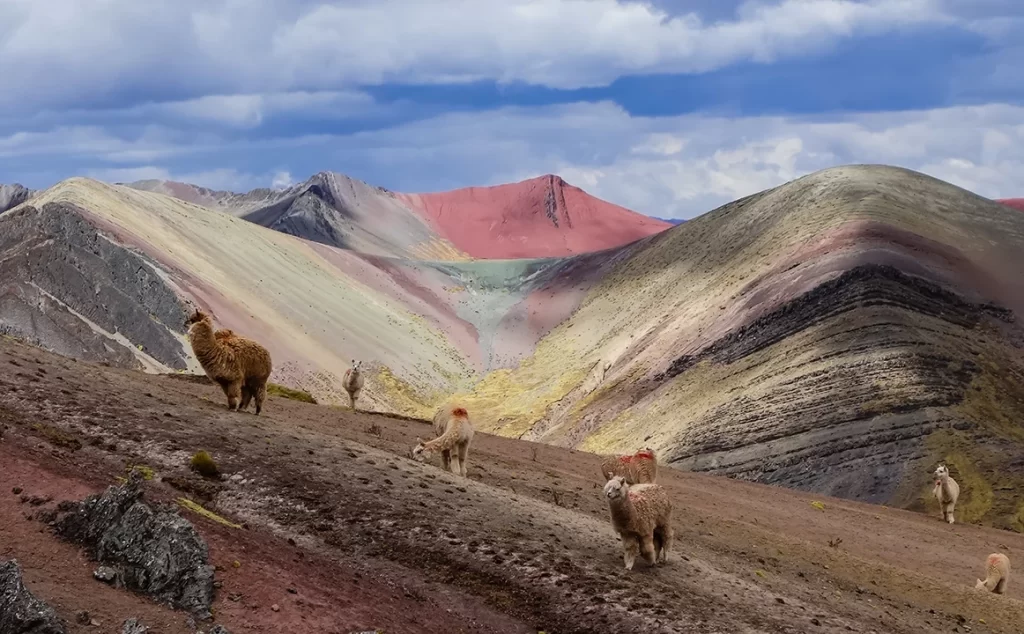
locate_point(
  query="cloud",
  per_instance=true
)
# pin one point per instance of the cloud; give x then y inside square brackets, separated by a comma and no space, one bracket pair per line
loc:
[674,167]
[59,53]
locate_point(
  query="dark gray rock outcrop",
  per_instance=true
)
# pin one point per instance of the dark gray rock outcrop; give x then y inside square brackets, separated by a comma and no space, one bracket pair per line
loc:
[72,290]
[132,626]
[153,551]
[13,195]
[20,611]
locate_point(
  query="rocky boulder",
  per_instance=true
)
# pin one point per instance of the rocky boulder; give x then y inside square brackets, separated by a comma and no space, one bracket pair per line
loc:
[20,611]
[152,551]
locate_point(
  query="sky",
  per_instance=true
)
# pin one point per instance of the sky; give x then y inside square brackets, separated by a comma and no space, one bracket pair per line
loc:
[669,107]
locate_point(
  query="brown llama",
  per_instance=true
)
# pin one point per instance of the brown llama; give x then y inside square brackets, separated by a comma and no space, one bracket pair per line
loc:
[239,365]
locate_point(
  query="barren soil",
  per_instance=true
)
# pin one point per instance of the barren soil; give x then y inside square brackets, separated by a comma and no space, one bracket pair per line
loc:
[342,533]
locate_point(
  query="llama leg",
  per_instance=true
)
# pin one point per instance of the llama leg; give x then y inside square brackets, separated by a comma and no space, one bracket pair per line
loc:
[629,550]
[261,395]
[1000,586]
[949,513]
[446,460]
[246,398]
[463,454]
[234,392]
[455,464]
[667,537]
[647,548]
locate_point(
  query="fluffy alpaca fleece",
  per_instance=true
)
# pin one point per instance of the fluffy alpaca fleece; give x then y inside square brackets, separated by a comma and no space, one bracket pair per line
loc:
[997,574]
[353,382]
[638,468]
[453,431]
[946,491]
[642,516]
[239,365]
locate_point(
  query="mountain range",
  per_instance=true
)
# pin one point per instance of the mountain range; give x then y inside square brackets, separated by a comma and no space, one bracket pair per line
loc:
[838,333]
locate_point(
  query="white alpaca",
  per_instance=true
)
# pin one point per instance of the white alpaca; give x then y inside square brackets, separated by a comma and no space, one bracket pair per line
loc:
[454,432]
[997,574]
[353,382]
[642,516]
[946,491]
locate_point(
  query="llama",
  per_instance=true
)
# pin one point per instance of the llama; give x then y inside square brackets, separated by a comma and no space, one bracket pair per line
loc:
[642,516]
[453,431]
[997,574]
[946,491]
[240,366]
[353,382]
[638,468]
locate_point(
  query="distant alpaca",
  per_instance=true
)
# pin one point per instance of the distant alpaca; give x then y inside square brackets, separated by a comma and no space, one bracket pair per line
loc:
[642,515]
[239,365]
[453,431]
[997,574]
[639,468]
[946,491]
[353,382]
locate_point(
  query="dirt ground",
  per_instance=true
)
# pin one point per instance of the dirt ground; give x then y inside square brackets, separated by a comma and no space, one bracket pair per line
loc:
[341,532]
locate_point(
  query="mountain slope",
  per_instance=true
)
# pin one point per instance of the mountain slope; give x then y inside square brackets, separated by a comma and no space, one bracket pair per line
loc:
[106,273]
[540,217]
[1016,203]
[537,218]
[838,334]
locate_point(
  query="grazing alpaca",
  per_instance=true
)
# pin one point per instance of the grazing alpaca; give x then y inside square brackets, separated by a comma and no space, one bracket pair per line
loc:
[642,516]
[997,574]
[639,468]
[453,431]
[946,491]
[353,382]
[239,365]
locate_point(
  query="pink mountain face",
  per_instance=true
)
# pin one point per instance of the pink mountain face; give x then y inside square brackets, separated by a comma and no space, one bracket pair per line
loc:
[540,217]
[1016,203]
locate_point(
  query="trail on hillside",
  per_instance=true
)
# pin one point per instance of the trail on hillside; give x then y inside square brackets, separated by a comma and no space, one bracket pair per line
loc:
[343,532]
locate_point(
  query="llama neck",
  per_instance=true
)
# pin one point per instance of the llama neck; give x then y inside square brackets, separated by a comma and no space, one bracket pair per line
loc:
[204,343]
[448,439]
[947,491]
[622,510]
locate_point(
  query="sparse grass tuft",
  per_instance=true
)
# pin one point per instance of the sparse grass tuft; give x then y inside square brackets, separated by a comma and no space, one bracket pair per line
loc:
[147,472]
[199,510]
[203,464]
[818,505]
[293,394]
[58,437]
[375,430]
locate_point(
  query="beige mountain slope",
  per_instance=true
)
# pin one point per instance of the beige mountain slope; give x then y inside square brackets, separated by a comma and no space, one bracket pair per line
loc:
[314,306]
[840,333]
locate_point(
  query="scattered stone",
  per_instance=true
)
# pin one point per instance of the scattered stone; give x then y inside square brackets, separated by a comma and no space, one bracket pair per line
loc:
[780,600]
[815,622]
[95,623]
[20,611]
[275,608]
[106,574]
[16,490]
[153,551]
[219,629]
[132,626]
[292,591]
[82,617]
